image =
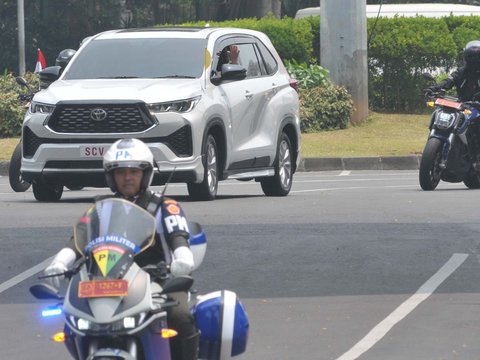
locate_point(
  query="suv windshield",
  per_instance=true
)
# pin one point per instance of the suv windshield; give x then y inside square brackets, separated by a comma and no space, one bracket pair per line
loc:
[139,58]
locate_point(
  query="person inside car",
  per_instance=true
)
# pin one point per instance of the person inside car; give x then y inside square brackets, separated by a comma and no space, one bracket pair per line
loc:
[229,55]
[128,166]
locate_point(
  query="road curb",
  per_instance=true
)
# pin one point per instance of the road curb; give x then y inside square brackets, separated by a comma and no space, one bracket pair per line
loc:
[361,163]
[327,164]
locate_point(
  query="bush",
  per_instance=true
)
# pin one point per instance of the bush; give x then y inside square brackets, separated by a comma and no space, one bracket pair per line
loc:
[11,109]
[326,107]
[308,76]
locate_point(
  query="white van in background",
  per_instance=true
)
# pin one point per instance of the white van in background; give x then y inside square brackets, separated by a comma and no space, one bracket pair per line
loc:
[406,10]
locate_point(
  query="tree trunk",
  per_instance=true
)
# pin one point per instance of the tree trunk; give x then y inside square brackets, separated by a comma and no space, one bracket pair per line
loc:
[261,8]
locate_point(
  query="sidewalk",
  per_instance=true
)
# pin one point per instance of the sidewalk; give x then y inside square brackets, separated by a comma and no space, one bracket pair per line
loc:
[327,164]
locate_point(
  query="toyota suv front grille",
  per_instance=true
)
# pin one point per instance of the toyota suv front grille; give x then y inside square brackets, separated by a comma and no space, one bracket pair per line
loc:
[180,142]
[100,118]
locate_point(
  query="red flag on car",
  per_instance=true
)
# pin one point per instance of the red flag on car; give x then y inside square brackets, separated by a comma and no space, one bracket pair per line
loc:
[41,63]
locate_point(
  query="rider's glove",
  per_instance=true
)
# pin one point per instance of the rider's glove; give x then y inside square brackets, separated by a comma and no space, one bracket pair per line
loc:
[62,261]
[432,90]
[182,263]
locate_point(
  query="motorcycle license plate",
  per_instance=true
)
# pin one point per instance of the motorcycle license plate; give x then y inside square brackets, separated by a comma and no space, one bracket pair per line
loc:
[448,103]
[102,288]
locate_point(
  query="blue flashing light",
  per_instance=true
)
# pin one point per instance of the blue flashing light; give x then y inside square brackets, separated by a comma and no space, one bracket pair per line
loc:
[52,312]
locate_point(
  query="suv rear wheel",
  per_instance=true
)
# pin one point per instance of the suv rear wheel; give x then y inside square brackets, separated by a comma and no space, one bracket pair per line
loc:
[207,189]
[281,183]
[46,192]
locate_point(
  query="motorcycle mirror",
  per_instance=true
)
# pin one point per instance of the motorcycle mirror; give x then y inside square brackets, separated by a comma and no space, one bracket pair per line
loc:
[21,81]
[428,76]
[44,291]
[178,284]
[49,75]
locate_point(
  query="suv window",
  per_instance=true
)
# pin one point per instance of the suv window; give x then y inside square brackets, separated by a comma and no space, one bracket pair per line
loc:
[139,58]
[248,58]
[268,59]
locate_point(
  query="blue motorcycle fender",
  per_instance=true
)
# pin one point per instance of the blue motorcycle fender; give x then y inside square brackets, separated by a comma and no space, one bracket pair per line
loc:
[223,324]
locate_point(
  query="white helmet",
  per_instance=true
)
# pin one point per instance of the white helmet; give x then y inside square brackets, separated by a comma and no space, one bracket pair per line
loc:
[128,153]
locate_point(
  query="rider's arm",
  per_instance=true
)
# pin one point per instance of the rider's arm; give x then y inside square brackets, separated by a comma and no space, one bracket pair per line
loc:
[175,228]
[451,80]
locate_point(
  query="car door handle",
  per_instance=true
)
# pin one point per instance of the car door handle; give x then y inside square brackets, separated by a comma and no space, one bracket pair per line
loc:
[248,95]
[274,88]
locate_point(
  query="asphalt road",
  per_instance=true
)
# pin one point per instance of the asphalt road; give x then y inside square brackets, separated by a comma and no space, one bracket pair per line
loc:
[351,265]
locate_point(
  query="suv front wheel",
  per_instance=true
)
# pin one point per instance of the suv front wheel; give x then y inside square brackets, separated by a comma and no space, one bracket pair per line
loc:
[281,183]
[207,189]
[46,192]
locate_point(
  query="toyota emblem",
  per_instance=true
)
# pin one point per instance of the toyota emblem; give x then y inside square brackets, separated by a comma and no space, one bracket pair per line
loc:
[98,114]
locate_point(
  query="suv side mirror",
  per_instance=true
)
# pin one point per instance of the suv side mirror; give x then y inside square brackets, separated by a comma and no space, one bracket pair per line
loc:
[233,72]
[230,72]
[49,75]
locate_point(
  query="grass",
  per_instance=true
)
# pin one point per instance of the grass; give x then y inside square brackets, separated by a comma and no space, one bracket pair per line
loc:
[379,135]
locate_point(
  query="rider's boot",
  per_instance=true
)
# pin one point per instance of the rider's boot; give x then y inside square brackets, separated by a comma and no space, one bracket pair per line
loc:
[185,348]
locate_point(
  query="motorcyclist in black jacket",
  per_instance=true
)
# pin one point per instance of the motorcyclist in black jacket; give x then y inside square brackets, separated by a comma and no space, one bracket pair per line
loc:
[466,79]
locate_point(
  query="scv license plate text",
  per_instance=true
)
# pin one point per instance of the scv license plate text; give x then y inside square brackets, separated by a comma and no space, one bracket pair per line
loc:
[92,151]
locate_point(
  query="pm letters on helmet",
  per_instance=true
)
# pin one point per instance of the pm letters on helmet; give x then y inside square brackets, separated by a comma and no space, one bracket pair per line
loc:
[123,154]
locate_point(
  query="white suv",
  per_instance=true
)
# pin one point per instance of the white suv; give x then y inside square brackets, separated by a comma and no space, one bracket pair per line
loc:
[203,119]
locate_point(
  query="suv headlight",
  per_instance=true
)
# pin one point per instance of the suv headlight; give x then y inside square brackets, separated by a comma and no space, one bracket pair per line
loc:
[36,107]
[181,106]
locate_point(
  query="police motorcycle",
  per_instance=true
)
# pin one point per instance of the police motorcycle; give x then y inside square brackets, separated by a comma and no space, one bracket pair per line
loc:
[113,309]
[452,151]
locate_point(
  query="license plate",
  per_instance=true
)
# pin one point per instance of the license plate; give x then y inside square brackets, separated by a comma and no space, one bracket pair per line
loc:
[449,103]
[102,288]
[93,151]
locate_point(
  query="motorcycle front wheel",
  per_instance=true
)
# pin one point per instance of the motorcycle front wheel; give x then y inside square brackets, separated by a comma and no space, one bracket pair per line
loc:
[430,171]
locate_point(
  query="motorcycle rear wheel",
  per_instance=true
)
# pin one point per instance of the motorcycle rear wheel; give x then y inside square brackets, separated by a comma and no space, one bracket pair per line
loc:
[430,171]
[472,181]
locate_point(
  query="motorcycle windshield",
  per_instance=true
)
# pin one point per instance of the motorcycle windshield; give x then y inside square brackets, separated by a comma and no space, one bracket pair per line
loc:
[110,234]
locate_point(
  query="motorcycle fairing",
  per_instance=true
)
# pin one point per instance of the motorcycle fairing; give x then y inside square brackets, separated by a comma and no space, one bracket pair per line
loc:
[107,310]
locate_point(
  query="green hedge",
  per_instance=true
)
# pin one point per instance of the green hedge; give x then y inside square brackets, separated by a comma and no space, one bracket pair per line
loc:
[402,49]
[292,39]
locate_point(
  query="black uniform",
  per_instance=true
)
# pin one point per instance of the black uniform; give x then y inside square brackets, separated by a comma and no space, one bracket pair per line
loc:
[466,81]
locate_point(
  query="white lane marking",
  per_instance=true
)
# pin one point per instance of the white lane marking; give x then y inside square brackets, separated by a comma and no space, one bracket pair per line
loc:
[25,275]
[353,188]
[345,173]
[427,289]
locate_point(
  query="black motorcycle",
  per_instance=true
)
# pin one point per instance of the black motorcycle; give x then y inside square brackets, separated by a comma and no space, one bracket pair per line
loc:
[452,151]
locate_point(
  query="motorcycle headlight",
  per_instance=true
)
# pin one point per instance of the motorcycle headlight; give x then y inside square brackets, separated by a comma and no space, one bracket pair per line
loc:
[444,120]
[180,106]
[41,108]
[129,322]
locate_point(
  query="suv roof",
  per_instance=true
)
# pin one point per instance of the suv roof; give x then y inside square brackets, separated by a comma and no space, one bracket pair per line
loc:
[180,32]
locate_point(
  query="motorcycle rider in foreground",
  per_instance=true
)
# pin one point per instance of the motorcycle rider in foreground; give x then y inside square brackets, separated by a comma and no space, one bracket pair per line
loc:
[128,166]
[466,79]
